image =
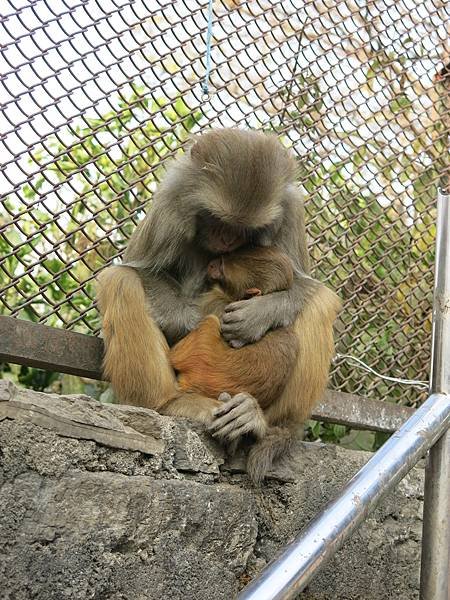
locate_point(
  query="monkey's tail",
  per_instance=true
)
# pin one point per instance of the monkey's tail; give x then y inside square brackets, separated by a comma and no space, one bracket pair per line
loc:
[136,352]
[265,452]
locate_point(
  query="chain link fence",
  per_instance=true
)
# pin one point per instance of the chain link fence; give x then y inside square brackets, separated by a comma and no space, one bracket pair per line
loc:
[98,94]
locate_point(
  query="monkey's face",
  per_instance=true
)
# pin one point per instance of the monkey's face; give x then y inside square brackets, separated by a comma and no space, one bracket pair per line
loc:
[231,275]
[251,272]
[218,237]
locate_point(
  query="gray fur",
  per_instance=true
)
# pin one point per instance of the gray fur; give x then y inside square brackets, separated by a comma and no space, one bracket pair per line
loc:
[275,445]
[246,179]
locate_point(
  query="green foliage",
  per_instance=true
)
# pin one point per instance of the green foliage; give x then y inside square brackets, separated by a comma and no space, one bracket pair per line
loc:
[93,182]
[92,179]
[352,439]
[36,379]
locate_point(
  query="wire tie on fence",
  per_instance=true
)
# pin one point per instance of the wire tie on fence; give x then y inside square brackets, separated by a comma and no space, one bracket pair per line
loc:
[205,84]
[412,382]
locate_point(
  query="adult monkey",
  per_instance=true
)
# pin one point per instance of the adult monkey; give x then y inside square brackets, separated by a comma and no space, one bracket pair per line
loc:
[232,190]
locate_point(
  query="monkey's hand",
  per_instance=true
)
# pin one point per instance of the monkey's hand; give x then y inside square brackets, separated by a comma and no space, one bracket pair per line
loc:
[236,417]
[247,321]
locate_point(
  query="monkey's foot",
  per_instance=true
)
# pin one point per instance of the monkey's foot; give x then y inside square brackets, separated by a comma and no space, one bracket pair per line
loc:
[236,417]
[193,406]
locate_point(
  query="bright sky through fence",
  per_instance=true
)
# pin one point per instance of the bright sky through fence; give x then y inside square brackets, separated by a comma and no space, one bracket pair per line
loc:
[77,59]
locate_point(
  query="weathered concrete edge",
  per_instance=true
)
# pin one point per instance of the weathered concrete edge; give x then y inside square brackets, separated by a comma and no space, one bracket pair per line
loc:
[16,408]
[345,409]
[115,439]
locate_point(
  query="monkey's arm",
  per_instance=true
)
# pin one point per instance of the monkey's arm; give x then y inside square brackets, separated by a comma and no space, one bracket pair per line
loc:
[248,320]
[174,313]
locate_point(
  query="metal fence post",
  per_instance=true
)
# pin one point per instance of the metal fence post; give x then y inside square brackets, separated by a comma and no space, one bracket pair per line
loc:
[434,577]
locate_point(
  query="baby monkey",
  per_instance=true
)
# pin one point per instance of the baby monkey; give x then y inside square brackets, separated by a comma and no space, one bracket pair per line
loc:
[207,364]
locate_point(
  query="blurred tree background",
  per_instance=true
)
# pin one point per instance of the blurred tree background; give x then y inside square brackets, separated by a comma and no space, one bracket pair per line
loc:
[104,187]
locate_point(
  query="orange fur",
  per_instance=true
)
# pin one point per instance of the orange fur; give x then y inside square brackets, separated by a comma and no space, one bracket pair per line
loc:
[136,358]
[283,371]
[207,364]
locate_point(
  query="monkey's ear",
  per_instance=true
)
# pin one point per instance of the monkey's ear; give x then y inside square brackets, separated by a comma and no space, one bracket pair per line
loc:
[251,293]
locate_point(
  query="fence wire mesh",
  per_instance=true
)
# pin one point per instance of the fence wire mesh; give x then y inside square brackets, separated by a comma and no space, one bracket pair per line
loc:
[98,94]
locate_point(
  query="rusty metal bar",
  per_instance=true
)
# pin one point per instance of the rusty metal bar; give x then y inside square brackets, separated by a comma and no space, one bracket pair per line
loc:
[360,412]
[434,579]
[36,345]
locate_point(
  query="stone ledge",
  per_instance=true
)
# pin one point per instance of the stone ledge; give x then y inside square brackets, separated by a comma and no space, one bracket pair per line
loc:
[166,516]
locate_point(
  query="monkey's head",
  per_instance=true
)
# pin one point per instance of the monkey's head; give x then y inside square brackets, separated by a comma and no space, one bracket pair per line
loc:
[238,179]
[249,272]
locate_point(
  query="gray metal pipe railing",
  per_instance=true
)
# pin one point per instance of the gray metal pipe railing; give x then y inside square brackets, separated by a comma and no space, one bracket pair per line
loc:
[434,573]
[291,571]
[287,575]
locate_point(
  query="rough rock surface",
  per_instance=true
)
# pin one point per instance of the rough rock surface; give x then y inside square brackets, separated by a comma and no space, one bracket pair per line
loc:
[82,519]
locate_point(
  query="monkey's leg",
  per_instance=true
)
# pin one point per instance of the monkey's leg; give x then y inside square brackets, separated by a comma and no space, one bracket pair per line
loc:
[192,406]
[136,352]
[309,376]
